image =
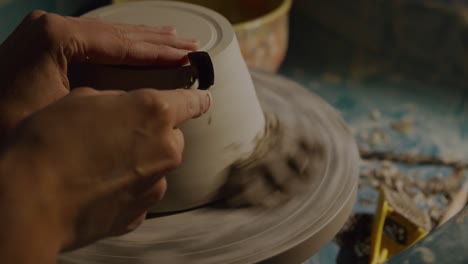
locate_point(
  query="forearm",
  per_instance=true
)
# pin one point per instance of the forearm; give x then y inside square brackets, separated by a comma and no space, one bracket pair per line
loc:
[25,223]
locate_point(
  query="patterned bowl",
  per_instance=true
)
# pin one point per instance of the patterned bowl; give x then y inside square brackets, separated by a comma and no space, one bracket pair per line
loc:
[263,35]
[261,27]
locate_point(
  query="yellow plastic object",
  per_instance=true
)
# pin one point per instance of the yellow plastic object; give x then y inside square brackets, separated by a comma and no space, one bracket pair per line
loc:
[397,225]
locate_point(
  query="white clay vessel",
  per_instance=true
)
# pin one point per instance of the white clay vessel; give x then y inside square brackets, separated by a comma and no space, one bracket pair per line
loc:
[229,130]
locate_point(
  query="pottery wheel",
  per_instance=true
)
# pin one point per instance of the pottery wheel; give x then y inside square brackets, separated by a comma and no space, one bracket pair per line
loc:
[286,234]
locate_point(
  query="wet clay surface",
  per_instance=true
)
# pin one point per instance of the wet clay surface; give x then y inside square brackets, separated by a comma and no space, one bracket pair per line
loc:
[290,232]
[282,165]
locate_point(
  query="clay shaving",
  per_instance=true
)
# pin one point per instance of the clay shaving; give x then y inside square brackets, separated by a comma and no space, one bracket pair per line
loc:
[411,159]
[277,169]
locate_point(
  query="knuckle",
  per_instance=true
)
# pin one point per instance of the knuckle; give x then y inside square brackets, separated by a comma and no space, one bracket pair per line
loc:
[51,27]
[122,38]
[83,91]
[153,104]
[119,32]
[172,152]
[158,191]
[171,30]
[169,39]
[158,51]
[35,14]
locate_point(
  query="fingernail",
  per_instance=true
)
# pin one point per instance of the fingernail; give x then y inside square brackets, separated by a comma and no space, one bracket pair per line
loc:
[184,52]
[196,43]
[209,101]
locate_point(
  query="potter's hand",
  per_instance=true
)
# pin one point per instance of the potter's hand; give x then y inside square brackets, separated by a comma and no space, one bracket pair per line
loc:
[89,166]
[35,58]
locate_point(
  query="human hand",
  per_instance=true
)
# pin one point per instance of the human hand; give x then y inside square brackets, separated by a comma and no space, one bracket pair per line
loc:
[90,164]
[35,58]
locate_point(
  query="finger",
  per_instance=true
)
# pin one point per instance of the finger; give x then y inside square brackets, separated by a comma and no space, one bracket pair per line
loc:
[159,36]
[132,217]
[165,29]
[153,195]
[88,91]
[150,198]
[83,91]
[128,221]
[144,53]
[167,40]
[179,139]
[185,104]
[31,17]
[106,43]
[137,222]
[159,153]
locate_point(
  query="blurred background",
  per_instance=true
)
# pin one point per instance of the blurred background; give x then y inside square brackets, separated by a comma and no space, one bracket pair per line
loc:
[395,69]
[418,40]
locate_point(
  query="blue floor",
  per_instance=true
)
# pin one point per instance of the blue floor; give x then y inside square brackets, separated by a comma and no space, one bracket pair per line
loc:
[439,124]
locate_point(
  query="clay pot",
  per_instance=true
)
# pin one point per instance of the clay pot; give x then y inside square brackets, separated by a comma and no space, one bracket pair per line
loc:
[261,26]
[223,135]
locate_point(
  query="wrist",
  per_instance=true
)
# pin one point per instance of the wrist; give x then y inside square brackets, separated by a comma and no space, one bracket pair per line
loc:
[29,226]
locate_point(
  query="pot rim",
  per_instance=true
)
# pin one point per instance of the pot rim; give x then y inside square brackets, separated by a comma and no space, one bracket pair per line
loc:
[282,9]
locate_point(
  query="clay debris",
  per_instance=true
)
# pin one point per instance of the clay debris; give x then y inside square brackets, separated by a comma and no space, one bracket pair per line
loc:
[432,194]
[404,125]
[410,159]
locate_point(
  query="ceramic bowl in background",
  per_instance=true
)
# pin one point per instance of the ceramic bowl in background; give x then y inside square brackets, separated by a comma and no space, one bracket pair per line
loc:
[263,33]
[261,26]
